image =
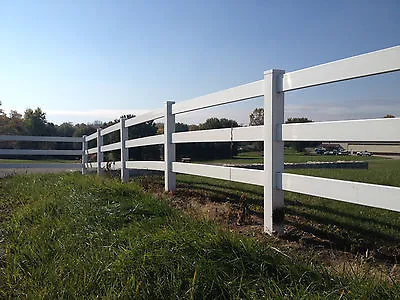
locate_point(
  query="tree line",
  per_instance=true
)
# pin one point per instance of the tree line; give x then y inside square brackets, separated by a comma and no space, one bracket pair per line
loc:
[34,122]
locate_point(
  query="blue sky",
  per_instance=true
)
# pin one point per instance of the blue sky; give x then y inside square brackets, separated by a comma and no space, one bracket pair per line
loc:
[82,61]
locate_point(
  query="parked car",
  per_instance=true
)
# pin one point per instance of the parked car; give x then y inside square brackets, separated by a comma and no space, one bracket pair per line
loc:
[342,152]
[333,152]
[364,153]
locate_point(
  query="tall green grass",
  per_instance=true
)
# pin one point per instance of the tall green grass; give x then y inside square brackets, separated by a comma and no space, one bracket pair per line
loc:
[332,224]
[70,236]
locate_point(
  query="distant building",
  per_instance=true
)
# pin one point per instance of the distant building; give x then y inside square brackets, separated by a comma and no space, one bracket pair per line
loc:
[377,148]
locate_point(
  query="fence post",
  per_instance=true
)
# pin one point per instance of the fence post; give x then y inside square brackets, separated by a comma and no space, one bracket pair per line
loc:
[273,152]
[124,151]
[84,155]
[99,153]
[169,147]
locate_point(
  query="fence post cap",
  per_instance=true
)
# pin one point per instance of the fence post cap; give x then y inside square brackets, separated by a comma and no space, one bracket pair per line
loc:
[274,71]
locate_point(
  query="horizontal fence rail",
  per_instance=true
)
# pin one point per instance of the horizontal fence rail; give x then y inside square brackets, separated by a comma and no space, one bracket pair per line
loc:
[236,134]
[242,92]
[145,141]
[146,165]
[219,172]
[273,133]
[39,152]
[28,138]
[91,137]
[40,166]
[151,116]
[110,129]
[374,195]
[42,152]
[378,130]
[111,147]
[378,62]
[91,151]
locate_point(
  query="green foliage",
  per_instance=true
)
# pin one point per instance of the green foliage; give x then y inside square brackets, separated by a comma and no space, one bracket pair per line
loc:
[257,117]
[201,151]
[35,122]
[140,130]
[338,225]
[181,127]
[298,120]
[69,236]
[215,123]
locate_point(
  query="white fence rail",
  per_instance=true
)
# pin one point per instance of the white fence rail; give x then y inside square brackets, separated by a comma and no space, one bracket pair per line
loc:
[28,138]
[47,152]
[274,132]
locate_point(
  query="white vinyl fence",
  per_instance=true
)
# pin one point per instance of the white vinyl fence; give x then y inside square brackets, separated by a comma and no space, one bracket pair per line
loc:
[273,133]
[36,152]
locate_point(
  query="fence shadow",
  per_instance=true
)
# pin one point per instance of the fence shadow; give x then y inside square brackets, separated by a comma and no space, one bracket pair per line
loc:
[306,223]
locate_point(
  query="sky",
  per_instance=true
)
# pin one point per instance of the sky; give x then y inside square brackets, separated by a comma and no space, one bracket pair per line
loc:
[81,61]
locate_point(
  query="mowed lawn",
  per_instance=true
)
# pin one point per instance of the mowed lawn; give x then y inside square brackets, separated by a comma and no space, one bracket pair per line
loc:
[291,156]
[74,236]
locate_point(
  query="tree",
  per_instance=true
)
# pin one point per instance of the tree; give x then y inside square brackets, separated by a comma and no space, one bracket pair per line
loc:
[1,111]
[181,127]
[298,120]
[215,123]
[193,127]
[257,117]
[3,121]
[35,122]
[65,129]
[15,124]
[207,150]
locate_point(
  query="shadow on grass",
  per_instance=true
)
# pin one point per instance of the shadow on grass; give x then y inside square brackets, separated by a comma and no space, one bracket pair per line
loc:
[243,189]
[348,232]
[346,237]
[342,213]
[219,195]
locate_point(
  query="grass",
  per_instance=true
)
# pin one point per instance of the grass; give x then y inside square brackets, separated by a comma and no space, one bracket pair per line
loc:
[73,236]
[331,224]
[380,171]
[293,157]
[255,157]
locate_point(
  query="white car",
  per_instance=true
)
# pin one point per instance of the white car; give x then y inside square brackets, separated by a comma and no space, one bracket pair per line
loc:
[364,153]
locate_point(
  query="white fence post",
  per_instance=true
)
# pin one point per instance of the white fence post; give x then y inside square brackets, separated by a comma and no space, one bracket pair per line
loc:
[84,155]
[273,152]
[169,147]
[124,151]
[99,153]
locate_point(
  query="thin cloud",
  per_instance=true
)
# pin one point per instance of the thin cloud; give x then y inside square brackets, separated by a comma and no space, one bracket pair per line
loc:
[323,111]
[80,116]
[343,110]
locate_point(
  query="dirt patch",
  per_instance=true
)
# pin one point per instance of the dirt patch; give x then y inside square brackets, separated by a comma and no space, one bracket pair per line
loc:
[234,213]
